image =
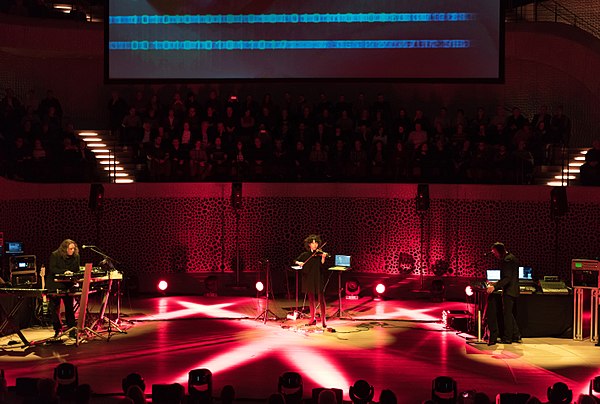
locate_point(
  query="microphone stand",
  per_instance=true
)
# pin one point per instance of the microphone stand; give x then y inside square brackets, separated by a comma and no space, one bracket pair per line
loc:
[102,318]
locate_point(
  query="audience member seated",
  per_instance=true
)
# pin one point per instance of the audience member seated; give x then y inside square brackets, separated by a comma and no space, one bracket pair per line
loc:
[199,166]
[46,392]
[524,164]
[590,170]
[327,396]
[444,389]
[135,393]
[293,141]
[481,398]
[276,398]
[83,394]
[227,394]
[387,397]
[586,399]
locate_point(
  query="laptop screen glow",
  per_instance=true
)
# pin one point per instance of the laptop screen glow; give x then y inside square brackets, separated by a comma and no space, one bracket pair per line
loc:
[342,260]
[525,273]
[493,275]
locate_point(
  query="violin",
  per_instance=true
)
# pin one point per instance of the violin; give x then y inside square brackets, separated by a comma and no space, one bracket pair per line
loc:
[322,253]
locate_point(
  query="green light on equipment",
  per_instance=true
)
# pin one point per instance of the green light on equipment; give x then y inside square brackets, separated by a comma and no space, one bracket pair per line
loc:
[578,265]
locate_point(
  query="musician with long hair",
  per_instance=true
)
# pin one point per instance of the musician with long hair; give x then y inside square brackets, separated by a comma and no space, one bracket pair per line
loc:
[311,262]
[62,261]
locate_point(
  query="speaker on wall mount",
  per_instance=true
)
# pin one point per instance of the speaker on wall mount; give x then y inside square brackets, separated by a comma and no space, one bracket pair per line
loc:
[422,199]
[96,200]
[236,195]
[558,202]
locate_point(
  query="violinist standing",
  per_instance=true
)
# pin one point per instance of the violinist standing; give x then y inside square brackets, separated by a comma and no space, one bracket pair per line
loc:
[311,262]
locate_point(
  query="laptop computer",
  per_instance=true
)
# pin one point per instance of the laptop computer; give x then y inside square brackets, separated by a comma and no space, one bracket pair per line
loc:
[492,275]
[342,263]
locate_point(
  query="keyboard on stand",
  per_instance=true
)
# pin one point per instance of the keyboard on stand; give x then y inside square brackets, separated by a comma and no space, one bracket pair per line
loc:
[23,292]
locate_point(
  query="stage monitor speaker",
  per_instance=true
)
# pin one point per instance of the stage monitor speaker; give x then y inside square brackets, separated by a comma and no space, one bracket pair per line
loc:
[96,201]
[558,202]
[236,195]
[422,199]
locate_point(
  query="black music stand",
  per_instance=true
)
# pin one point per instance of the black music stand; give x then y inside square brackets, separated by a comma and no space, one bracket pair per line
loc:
[265,313]
[297,312]
[340,313]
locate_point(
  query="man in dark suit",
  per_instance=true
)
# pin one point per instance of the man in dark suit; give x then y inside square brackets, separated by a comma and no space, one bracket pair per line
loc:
[509,285]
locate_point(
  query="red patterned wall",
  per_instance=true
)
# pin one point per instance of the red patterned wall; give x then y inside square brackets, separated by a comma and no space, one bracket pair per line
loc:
[170,229]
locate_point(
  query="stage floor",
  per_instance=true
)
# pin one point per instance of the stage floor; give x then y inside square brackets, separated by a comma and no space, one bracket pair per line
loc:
[400,345]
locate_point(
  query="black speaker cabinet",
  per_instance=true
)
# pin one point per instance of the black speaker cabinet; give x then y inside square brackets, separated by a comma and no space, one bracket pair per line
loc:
[96,200]
[558,201]
[422,199]
[236,195]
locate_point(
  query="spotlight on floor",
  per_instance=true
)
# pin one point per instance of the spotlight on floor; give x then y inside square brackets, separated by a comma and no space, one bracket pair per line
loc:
[200,386]
[162,286]
[379,290]
[352,288]
[456,319]
[291,387]
[67,379]
[259,286]
[559,392]
[361,392]
[444,389]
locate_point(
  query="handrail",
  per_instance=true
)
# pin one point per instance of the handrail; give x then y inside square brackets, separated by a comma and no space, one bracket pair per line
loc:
[554,11]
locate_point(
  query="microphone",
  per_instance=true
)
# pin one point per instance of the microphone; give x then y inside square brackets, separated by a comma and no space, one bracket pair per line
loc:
[87,246]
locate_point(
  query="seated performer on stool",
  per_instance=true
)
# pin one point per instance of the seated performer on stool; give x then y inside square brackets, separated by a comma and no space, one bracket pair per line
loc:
[509,285]
[62,261]
[312,284]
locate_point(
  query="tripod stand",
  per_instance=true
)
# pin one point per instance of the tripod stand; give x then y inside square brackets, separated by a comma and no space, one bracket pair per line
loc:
[81,331]
[112,326]
[111,274]
[340,313]
[265,313]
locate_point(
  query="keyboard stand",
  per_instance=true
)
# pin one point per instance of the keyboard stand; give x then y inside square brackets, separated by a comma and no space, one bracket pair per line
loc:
[112,327]
[340,313]
[9,317]
[81,331]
